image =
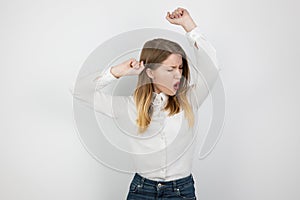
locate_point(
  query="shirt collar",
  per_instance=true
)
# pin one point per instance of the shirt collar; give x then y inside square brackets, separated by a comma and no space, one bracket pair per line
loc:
[159,99]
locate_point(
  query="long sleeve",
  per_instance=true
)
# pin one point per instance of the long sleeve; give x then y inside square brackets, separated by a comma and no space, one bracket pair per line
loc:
[206,65]
[89,90]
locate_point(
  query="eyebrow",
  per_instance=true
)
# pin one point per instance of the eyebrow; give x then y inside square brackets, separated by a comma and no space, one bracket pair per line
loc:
[174,66]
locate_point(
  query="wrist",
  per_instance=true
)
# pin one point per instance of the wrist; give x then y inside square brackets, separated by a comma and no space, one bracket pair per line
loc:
[115,72]
[189,26]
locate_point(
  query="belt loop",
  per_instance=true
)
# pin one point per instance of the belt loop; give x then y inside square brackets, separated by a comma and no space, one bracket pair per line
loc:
[142,181]
[174,185]
[192,178]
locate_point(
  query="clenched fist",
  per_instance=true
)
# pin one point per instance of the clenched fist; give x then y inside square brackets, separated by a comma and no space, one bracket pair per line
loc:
[127,68]
[181,17]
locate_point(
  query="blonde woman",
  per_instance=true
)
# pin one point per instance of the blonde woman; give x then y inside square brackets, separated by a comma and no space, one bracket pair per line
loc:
[164,106]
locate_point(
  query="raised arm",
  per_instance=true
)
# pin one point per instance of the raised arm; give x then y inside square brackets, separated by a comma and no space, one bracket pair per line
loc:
[206,60]
[89,89]
[206,66]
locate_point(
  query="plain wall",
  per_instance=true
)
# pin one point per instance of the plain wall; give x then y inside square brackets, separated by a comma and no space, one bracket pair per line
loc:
[44,43]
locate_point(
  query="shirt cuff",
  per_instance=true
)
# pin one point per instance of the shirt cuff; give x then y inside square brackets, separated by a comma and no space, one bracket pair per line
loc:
[194,35]
[104,79]
[107,75]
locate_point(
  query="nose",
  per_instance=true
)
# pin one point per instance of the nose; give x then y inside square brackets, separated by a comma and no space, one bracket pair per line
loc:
[177,74]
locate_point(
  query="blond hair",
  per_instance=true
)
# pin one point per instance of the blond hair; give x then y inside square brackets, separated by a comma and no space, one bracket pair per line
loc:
[153,53]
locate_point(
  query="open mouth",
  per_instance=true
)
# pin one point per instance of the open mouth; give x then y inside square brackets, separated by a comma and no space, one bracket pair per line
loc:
[176,85]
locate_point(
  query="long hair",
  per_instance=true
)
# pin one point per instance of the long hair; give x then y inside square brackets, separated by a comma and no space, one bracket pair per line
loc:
[153,53]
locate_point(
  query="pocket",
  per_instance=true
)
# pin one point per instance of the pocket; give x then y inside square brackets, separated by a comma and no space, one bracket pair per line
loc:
[134,187]
[186,191]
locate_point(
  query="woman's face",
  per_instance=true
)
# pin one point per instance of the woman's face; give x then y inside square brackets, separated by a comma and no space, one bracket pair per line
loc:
[166,77]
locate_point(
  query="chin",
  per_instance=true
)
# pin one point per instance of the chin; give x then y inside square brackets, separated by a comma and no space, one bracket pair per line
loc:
[169,92]
[173,93]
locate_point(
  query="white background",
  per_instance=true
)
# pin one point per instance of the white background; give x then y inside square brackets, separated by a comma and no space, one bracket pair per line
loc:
[44,43]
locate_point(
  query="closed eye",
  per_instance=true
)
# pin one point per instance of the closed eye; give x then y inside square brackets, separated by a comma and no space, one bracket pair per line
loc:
[174,67]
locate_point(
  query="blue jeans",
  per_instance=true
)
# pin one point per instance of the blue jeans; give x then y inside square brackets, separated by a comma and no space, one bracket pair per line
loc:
[142,188]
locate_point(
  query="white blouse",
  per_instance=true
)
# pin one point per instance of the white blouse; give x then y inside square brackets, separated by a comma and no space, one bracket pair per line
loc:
[165,150]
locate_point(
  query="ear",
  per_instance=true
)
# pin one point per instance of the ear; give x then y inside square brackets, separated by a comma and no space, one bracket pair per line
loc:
[149,72]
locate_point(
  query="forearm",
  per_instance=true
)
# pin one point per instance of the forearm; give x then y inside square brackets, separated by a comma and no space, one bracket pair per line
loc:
[189,25]
[116,72]
[86,86]
[206,65]
[88,89]
[205,53]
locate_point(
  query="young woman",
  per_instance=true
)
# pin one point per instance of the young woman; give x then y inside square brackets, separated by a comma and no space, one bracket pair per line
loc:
[164,106]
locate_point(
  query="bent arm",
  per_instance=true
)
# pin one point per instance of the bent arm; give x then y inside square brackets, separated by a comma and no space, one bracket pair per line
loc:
[206,66]
[89,90]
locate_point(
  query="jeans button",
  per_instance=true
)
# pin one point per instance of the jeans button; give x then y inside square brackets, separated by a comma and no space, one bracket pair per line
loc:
[159,185]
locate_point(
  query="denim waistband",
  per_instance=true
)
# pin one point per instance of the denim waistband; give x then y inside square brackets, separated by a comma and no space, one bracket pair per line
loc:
[174,183]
